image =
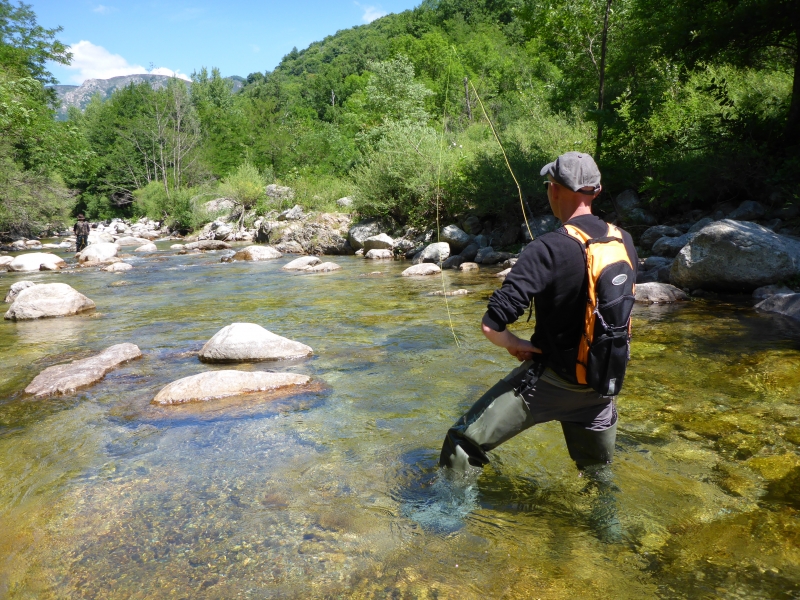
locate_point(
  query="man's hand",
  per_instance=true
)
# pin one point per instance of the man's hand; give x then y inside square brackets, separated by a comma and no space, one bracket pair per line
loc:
[521,349]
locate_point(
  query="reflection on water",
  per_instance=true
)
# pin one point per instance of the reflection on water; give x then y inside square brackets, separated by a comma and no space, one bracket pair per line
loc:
[336,493]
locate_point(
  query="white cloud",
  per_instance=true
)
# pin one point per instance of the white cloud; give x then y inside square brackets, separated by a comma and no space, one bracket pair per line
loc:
[95,62]
[371,12]
[103,10]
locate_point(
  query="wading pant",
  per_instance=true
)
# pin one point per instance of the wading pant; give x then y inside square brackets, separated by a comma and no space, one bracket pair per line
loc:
[80,242]
[521,400]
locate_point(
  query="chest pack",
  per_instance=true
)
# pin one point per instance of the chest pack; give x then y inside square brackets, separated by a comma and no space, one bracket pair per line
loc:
[604,348]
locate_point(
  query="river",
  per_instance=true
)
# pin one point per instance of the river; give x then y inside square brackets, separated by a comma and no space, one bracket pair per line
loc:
[335,493]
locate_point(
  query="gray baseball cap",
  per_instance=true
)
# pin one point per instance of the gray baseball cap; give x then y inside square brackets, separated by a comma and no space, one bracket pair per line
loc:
[574,170]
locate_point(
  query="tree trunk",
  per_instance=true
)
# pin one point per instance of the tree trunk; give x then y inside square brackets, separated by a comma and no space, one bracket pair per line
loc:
[792,131]
[602,86]
[466,95]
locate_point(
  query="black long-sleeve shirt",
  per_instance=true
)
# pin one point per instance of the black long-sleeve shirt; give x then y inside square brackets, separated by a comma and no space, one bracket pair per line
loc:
[551,272]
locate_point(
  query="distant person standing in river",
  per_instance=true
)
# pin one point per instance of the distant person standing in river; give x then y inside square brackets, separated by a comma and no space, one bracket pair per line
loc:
[81,229]
[552,273]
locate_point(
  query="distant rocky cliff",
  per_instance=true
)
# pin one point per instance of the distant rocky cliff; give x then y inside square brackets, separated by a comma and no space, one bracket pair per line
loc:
[79,96]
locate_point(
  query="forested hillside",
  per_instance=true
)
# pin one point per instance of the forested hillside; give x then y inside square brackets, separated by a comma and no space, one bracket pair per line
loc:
[691,103]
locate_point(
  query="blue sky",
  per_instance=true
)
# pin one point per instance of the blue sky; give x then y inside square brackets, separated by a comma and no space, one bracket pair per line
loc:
[115,37]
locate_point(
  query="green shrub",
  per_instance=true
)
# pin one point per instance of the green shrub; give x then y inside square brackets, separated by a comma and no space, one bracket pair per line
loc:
[180,209]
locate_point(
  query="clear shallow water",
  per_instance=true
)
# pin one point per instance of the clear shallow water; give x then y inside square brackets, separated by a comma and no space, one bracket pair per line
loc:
[335,493]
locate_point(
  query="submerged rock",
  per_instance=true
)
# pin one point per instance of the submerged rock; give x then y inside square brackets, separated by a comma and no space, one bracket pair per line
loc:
[300,264]
[220,384]
[766,291]
[39,261]
[421,269]
[65,379]
[461,292]
[257,253]
[659,293]
[16,288]
[784,304]
[243,342]
[48,300]
[323,268]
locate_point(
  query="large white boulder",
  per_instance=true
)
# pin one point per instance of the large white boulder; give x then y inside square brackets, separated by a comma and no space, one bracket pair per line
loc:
[378,242]
[736,256]
[148,247]
[100,237]
[435,253]
[65,379]
[98,253]
[35,262]
[325,267]
[421,269]
[48,300]
[220,384]
[256,253]
[5,261]
[243,342]
[300,264]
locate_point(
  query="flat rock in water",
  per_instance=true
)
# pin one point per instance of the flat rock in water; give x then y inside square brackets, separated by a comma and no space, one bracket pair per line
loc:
[208,245]
[504,273]
[300,264]
[48,300]
[451,293]
[35,262]
[469,266]
[220,384]
[118,267]
[323,268]
[131,241]
[148,247]
[16,288]
[244,342]
[98,253]
[765,292]
[421,269]
[379,254]
[257,253]
[65,379]
[785,304]
[176,247]
[659,293]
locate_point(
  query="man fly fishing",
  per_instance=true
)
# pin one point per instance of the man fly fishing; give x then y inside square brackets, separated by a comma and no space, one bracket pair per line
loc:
[580,279]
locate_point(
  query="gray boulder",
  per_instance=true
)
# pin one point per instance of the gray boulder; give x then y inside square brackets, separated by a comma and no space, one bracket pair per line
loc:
[257,253]
[670,246]
[483,252]
[208,245]
[421,269]
[224,383]
[481,240]
[279,192]
[246,342]
[65,379]
[784,304]
[48,300]
[700,224]
[455,237]
[473,225]
[656,262]
[37,261]
[325,267]
[16,288]
[344,202]
[149,247]
[629,208]
[488,256]
[435,253]
[359,232]
[470,252]
[453,262]
[766,291]
[748,210]
[659,293]
[652,234]
[293,214]
[539,226]
[378,242]
[733,255]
